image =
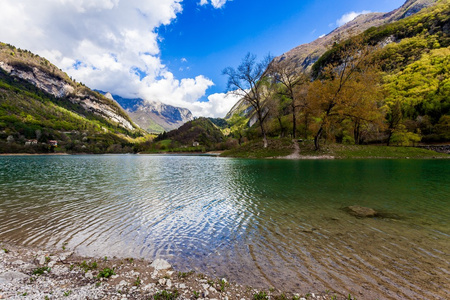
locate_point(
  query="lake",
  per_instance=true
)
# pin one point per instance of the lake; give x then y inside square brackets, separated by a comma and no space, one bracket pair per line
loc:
[258,222]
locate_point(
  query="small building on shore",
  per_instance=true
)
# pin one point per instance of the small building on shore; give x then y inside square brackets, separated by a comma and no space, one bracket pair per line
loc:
[31,142]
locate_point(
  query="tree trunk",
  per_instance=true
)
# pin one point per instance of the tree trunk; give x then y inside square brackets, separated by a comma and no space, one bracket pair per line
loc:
[317,138]
[282,134]
[263,132]
[294,122]
[306,126]
[264,136]
[389,136]
[357,132]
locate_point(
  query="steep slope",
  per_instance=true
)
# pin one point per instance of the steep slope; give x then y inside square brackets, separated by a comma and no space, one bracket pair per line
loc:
[313,56]
[153,116]
[47,77]
[304,56]
[39,103]
[411,56]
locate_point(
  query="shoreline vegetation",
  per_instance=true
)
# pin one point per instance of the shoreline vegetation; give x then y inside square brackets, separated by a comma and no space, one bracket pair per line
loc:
[30,273]
[298,150]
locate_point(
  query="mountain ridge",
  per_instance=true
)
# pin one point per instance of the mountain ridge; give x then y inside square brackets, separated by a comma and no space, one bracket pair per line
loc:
[43,110]
[153,116]
[305,55]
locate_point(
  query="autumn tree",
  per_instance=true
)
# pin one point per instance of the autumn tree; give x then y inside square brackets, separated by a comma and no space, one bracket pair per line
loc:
[347,87]
[248,82]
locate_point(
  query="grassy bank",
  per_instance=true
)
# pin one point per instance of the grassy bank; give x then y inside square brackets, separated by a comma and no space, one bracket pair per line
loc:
[254,149]
[284,147]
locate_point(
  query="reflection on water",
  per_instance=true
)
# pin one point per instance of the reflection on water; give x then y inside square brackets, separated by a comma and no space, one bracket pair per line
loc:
[259,222]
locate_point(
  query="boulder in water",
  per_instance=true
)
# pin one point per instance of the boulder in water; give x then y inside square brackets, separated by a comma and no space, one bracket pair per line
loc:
[361,212]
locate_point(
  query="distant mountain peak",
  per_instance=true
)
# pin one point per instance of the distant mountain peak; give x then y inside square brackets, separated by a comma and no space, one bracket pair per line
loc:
[152,116]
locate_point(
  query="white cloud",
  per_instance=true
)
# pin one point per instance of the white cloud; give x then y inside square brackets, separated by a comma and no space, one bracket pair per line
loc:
[350,16]
[217,107]
[110,45]
[214,3]
[321,36]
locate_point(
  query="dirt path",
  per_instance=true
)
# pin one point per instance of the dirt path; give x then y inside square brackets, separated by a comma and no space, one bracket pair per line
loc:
[296,153]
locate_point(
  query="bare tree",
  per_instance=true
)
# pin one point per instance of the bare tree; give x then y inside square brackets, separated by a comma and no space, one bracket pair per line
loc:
[247,81]
[283,73]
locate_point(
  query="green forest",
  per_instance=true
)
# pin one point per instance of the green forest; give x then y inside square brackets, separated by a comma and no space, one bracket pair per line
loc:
[389,85]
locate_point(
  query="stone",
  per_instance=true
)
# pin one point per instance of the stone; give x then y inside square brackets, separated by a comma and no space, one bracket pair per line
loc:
[11,276]
[169,283]
[160,264]
[89,275]
[42,259]
[60,270]
[361,212]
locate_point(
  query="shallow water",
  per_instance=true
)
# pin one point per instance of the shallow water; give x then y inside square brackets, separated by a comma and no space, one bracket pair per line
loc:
[259,222]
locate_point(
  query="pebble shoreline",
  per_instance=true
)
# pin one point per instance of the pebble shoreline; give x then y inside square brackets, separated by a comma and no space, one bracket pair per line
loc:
[27,273]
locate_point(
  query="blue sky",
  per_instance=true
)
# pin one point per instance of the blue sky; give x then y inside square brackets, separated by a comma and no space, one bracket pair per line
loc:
[211,39]
[171,51]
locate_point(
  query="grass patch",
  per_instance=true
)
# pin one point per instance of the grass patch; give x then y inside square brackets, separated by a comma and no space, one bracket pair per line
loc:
[106,273]
[260,296]
[165,295]
[370,151]
[88,266]
[42,270]
[255,149]
[284,147]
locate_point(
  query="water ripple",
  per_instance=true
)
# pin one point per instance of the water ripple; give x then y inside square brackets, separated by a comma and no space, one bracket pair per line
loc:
[264,223]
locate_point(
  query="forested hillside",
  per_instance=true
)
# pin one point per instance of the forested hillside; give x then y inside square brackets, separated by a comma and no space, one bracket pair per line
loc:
[43,110]
[389,84]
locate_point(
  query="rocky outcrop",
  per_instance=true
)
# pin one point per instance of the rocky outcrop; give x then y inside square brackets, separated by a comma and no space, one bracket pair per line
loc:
[59,87]
[361,212]
[42,80]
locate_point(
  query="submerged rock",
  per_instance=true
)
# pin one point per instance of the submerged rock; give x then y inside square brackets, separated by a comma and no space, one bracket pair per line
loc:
[361,212]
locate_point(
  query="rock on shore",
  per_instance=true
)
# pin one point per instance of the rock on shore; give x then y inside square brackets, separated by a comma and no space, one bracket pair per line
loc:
[35,274]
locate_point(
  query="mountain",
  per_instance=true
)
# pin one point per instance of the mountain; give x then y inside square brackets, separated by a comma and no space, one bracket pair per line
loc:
[153,116]
[304,56]
[409,52]
[201,131]
[39,103]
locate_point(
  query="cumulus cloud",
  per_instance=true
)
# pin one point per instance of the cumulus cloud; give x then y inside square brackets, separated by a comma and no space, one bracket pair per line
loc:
[214,3]
[110,45]
[218,105]
[350,16]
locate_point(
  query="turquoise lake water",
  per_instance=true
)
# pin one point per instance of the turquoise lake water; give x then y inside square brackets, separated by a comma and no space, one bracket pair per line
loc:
[258,222]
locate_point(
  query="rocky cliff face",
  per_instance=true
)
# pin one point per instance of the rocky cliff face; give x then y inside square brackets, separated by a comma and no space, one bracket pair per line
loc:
[304,56]
[53,81]
[153,116]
